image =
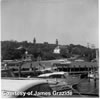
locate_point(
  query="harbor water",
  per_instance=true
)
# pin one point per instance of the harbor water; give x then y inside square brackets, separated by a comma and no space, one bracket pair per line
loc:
[88,86]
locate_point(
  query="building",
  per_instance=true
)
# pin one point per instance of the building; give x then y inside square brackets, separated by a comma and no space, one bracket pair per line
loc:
[57,50]
[27,57]
[46,43]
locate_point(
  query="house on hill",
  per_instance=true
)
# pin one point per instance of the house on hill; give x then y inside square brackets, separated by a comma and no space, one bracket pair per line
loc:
[27,57]
[57,50]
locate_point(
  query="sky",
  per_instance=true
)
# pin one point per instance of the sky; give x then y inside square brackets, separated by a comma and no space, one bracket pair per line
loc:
[69,21]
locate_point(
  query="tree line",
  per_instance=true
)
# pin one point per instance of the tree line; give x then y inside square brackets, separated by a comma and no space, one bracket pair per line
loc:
[11,50]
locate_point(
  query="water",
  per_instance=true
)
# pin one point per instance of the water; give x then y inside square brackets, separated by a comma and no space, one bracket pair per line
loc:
[87,86]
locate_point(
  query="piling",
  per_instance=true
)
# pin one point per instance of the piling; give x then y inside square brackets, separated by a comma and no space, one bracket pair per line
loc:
[19,69]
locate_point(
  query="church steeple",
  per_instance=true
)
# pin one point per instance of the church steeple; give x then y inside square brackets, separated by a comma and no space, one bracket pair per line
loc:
[56,41]
[34,41]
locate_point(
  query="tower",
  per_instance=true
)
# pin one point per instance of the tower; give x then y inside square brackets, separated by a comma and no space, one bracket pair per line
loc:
[56,41]
[34,41]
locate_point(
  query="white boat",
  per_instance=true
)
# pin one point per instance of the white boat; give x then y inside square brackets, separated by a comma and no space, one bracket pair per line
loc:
[93,75]
[61,77]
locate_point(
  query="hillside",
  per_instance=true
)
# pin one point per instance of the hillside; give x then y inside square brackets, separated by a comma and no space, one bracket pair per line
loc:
[11,50]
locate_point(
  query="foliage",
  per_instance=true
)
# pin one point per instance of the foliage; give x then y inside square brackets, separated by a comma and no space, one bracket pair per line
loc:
[9,50]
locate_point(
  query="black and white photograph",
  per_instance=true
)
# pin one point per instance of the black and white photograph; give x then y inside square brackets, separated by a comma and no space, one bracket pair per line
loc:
[49,48]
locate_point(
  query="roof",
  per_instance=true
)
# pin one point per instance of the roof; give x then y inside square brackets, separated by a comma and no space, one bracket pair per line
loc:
[46,69]
[48,74]
[19,85]
[61,63]
[79,60]
[77,64]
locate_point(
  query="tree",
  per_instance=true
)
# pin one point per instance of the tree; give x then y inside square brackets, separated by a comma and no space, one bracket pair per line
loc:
[11,54]
[76,50]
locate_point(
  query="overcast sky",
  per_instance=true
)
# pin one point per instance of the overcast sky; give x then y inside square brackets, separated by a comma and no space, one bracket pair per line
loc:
[69,21]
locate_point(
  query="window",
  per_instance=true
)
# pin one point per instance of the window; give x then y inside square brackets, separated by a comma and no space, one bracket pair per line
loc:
[57,76]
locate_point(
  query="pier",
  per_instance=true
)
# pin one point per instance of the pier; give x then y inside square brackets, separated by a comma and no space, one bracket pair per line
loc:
[26,68]
[77,67]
